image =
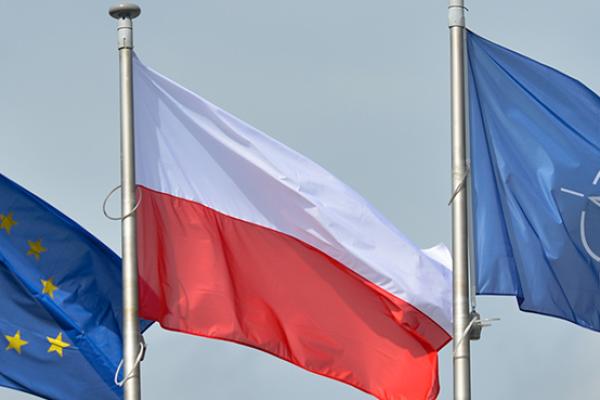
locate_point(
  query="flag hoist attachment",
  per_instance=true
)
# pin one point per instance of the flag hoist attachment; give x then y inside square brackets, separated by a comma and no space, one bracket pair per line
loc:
[133,347]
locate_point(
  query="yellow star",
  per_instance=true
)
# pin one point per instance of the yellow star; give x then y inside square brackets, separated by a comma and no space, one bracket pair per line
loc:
[35,249]
[15,342]
[7,222]
[57,344]
[48,287]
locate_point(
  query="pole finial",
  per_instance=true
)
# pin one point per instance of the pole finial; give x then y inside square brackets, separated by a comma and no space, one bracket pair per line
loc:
[125,13]
[125,10]
[456,13]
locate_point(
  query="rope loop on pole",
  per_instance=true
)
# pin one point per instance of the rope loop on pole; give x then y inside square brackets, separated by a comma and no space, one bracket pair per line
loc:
[138,360]
[462,184]
[123,216]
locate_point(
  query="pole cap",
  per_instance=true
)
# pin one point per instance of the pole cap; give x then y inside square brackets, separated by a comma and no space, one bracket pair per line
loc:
[125,10]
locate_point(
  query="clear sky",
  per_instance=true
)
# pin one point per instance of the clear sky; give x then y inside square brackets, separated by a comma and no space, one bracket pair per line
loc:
[361,87]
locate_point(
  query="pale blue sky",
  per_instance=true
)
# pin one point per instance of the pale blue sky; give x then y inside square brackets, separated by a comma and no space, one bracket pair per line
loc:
[359,86]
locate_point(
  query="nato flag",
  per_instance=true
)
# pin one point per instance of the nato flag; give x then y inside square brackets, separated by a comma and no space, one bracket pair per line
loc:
[60,303]
[535,161]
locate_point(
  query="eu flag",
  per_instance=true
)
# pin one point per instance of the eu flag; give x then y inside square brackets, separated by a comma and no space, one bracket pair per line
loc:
[60,303]
[535,161]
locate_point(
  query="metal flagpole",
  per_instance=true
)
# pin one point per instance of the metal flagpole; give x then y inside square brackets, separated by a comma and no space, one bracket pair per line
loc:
[460,302]
[132,347]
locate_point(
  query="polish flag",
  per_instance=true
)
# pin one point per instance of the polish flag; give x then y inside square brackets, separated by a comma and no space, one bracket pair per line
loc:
[242,239]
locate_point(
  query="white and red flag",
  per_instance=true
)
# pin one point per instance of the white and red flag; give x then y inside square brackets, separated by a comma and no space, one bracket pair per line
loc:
[241,238]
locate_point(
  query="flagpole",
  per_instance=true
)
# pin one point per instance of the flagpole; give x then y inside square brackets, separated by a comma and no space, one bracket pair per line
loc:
[125,13]
[460,301]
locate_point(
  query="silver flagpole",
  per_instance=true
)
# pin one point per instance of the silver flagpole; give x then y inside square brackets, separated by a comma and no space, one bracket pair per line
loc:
[462,356]
[125,13]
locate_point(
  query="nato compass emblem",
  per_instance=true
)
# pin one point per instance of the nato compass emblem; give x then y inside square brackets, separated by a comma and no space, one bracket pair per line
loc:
[593,206]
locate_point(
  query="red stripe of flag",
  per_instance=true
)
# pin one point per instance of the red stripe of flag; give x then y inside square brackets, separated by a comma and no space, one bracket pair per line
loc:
[209,274]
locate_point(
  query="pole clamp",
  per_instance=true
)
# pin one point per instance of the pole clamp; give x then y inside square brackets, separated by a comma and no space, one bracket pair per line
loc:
[124,33]
[473,329]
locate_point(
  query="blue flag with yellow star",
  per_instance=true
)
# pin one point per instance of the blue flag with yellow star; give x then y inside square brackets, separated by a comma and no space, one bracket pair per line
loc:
[60,303]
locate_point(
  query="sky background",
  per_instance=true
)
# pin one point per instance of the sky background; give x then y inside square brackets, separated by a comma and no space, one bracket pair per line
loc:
[361,87]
